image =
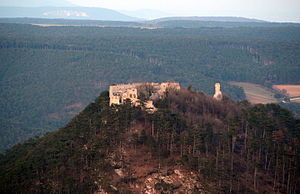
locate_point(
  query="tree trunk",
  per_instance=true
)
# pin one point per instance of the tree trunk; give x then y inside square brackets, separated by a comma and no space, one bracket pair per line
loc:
[246,136]
[231,172]
[289,179]
[152,129]
[266,160]
[206,149]
[254,179]
[231,162]
[194,144]
[283,170]
[171,145]
[217,159]
[181,150]
[275,176]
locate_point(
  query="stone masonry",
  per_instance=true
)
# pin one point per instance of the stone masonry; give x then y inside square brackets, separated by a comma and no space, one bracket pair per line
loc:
[119,93]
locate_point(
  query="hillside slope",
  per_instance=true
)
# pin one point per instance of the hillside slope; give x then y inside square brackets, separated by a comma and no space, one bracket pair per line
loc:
[191,144]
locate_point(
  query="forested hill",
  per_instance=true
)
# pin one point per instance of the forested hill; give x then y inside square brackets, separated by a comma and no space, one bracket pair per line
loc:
[48,74]
[191,144]
[211,18]
[173,22]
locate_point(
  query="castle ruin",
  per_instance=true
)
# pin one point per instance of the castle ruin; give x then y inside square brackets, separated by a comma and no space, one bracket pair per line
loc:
[147,93]
[137,92]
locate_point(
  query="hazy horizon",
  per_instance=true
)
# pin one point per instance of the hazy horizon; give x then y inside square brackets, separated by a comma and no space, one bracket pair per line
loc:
[270,10]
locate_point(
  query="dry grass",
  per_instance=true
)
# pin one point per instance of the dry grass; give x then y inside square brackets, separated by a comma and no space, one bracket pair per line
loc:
[256,93]
[292,90]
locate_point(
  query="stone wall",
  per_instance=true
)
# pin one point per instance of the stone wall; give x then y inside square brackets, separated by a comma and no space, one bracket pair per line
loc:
[119,93]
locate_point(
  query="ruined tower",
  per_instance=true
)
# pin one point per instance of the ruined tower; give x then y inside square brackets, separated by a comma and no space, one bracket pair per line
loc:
[218,94]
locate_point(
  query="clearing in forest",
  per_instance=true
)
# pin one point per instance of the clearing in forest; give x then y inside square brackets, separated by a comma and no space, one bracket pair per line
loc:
[256,93]
[291,90]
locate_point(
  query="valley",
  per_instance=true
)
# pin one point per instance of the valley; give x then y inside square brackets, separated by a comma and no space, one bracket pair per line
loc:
[46,69]
[256,93]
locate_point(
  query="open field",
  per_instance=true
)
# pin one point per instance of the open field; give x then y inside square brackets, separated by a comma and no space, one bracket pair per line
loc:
[292,90]
[256,93]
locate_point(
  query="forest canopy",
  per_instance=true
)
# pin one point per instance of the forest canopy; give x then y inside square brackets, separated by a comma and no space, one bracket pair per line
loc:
[235,147]
[48,74]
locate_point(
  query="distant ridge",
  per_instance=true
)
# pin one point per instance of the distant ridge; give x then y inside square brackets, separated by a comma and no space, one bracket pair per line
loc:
[210,18]
[140,24]
[36,3]
[147,14]
[65,12]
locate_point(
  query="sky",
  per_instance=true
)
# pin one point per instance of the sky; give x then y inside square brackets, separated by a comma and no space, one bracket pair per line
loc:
[271,10]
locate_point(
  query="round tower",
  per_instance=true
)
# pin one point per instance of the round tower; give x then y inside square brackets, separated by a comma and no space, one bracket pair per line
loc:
[218,94]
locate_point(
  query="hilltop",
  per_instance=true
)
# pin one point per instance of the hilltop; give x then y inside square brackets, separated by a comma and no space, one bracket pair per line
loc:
[192,143]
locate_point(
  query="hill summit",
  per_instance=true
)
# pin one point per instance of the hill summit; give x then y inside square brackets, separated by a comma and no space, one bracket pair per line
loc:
[191,144]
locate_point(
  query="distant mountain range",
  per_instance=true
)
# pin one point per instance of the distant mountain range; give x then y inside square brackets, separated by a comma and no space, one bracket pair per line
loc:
[65,10]
[36,3]
[66,13]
